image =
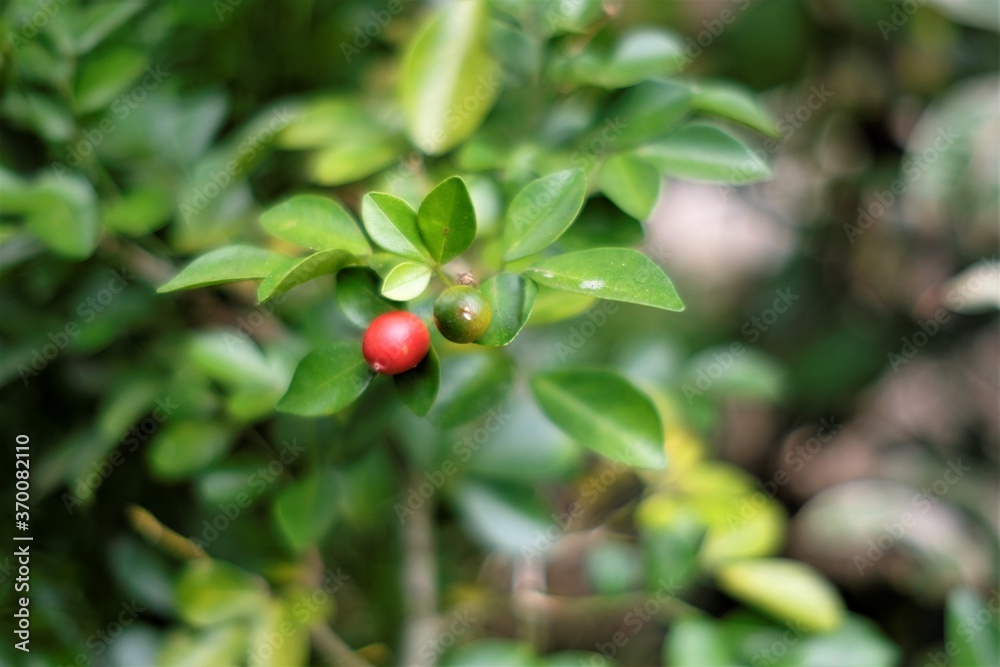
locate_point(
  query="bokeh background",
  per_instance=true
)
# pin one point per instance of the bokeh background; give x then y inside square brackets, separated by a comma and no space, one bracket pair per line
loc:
[832,385]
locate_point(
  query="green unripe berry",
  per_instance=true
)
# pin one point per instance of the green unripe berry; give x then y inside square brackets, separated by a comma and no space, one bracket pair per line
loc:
[462,314]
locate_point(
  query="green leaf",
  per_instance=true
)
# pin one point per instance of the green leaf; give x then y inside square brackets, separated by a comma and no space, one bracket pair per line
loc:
[492,653]
[305,510]
[62,213]
[449,81]
[315,222]
[856,642]
[209,647]
[327,380]
[139,212]
[350,162]
[318,264]
[575,16]
[392,224]
[184,448]
[605,412]
[542,211]
[631,183]
[788,590]
[511,296]
[702,152]
[471,384]
[735,103]
[447,220]
[638,55]
[645,112]
[406,281]
[287,621]
[101,20]
[619,274]
[209,592]
[104,75]
[359,297]
[352,138]
[505,517]
[418,387]
[556,306]
[697,642]
[226,265]
[975,640]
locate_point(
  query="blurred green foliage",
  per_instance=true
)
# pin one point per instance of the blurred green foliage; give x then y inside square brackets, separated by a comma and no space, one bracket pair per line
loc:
[137,135]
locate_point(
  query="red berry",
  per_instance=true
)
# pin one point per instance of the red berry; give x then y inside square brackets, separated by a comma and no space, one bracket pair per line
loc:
[395,342]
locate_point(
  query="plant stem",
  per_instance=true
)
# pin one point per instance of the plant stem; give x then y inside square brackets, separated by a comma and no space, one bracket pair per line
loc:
[419,585]
[334,649]
[445,278]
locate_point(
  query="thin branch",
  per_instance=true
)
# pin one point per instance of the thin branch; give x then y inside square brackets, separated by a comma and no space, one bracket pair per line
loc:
[419,586]
[334,649]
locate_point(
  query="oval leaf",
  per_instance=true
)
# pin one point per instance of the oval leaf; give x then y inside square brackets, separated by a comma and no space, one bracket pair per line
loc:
[702,152]
[359,298]
[418,387]
[209,592]
[392,224]
[447,220]
[63,215]
[184,448]
[542,211]
[315,222]
[787,589]
[975,641]
[645,112]
[735,103]
[619,274]
[327,380]
[605,412]
[696,642]
[319,264]
[502,516]
[449,81]
[512,297]
[631,183]
[226,265]
[406,281]
[305,510]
